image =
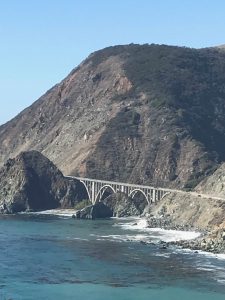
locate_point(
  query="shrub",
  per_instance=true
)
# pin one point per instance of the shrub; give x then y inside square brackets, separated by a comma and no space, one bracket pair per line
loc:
[82,204]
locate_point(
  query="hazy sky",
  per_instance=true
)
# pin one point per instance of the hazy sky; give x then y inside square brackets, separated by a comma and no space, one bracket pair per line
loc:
[42,40]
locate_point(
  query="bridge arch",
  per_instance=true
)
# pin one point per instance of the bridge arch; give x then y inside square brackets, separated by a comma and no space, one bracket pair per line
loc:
[164,195]
[135,191]
[101,192]
[86,187]
[141,201]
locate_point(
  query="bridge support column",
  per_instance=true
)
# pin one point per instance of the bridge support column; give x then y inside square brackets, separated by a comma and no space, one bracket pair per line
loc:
[148,193]
[153,196]
[93,192]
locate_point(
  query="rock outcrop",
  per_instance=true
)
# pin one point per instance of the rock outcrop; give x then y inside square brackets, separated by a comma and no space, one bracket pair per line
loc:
[189,211]
[121,205]
[114,205]
[96,211]
[213,242]
[214,184]
[151,114]
[31,182]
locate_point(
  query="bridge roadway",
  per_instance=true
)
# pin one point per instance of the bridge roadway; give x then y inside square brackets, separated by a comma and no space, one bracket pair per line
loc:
[96,188]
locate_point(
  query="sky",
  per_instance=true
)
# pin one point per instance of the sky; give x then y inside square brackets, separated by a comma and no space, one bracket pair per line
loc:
[41,41]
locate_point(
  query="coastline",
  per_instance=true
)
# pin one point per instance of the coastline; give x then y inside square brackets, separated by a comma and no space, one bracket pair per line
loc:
[211,240]
[169,234]
[182,237]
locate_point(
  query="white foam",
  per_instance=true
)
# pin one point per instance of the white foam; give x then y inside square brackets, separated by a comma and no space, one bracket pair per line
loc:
[79,239]
[219,256]
[127,218]
[166,255]
[206,269]
[158,233]
[221,281]
[56,212]
[123,237]
[214,255]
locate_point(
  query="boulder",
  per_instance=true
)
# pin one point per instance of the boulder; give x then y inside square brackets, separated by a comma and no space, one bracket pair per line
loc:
[96,211]
[121,205]
[31,182]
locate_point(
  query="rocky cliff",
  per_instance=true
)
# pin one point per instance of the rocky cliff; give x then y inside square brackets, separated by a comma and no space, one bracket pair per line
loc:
[151,114]
[204,212]
[189,211]
[214,184]
[30,182]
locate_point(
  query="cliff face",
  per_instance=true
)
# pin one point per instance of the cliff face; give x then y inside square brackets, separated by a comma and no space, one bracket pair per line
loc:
[32,182]
[190,212]
[145,114]
[214,184]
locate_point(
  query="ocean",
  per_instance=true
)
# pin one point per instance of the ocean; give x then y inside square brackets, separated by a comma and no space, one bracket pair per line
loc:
[59,258]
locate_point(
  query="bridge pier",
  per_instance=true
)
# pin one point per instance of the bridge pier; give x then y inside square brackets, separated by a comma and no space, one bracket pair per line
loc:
[153,196]
[93,192]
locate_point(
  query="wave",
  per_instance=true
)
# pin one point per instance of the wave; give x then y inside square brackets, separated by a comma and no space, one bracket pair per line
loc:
[123,237]
[208,255]
[219,256]
[141,225]
[54,212]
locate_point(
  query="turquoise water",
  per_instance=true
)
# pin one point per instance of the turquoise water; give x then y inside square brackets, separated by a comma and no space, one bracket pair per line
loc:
[44,257]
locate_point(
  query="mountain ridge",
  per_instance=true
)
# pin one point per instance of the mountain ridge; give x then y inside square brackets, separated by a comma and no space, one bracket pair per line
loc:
[150,114]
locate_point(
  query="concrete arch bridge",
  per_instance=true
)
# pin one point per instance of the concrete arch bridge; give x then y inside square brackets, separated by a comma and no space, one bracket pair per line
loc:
[96,189]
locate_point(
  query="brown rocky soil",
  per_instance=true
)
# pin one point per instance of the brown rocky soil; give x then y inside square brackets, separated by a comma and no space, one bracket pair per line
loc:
[213,185]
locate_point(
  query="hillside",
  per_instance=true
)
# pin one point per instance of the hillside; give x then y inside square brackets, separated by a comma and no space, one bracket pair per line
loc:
[152,114]
[214,184]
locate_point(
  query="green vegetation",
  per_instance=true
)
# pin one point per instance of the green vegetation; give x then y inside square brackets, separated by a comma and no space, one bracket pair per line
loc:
[189,82]
[192,183]
[126,123]
[195,179]
[82,204]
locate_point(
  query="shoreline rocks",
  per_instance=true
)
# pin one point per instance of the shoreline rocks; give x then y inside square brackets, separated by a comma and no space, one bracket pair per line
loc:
[121,205]
[210,240]
[191,213]
[213,242]
[96,211]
